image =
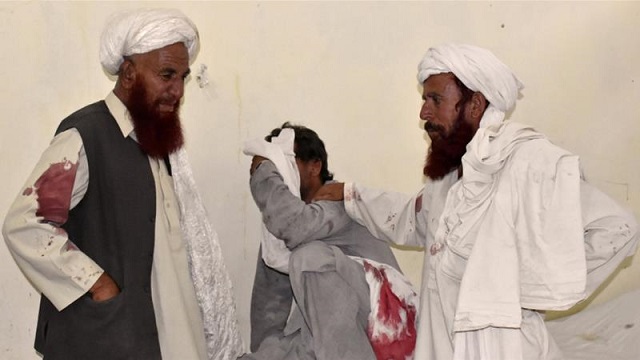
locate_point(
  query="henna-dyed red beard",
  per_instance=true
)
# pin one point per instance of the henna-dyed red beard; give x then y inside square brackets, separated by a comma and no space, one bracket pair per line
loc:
[158,133]
[446,151]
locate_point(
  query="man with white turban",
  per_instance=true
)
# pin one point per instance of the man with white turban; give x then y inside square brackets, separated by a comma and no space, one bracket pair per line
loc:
[109,226]
[509,226]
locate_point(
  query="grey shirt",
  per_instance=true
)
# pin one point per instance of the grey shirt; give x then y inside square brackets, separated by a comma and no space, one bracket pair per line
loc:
[295,222]
[289,218]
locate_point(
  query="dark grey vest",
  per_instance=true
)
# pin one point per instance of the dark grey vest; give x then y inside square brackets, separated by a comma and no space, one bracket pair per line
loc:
[113,225]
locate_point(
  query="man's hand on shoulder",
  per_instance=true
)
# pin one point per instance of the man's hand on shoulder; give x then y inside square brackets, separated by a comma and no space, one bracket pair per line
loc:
[331,192]
[257,159]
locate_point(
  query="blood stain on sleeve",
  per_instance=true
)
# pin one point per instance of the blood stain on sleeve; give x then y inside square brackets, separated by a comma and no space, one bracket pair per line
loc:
[53,189]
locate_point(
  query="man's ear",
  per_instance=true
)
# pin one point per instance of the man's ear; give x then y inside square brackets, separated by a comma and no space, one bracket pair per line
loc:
[316,167]
[477,106]
[127,75]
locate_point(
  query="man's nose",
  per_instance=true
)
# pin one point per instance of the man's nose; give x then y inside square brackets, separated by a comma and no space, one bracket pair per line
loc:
[177,88]
[425,111]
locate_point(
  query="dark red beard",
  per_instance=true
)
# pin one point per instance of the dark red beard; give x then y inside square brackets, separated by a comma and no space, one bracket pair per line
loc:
[445,154]
[159,133]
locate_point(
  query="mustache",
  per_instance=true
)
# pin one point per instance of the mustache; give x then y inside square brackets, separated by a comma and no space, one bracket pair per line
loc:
[431,127]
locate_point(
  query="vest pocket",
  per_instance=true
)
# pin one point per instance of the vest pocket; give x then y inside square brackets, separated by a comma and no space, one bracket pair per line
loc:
[91,330]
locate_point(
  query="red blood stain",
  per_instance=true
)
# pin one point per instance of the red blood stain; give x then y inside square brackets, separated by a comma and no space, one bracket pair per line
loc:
[54,188]
[390,308]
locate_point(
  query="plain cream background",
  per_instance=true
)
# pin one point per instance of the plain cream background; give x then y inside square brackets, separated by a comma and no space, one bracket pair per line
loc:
[345,69]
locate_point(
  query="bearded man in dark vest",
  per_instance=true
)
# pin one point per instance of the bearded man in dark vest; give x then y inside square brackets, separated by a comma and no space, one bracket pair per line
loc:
[109,226]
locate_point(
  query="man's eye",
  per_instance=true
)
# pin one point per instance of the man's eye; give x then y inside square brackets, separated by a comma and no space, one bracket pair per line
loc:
[166,76]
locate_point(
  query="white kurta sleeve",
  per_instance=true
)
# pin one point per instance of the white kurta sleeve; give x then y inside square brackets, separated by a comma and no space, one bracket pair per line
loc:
[32,228]
[610,235]
[391,216]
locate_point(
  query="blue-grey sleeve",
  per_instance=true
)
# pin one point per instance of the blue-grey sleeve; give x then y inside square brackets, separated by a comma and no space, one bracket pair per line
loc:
[288,217]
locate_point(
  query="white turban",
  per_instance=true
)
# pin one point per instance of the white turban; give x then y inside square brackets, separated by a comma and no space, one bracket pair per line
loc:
[479,70]
[144,30]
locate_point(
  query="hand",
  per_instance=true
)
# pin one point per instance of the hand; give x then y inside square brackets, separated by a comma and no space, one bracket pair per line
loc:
[104,288]
[257,159]
[331,192]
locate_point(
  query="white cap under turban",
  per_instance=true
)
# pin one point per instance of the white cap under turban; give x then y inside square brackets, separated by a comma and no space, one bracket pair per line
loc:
[479,70]
[144,30]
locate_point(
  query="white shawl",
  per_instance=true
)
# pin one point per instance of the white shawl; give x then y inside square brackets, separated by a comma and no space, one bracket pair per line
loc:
[540,267]
[208,271]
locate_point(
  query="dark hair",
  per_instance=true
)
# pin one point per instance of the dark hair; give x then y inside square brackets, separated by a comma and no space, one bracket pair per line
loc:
[308,146]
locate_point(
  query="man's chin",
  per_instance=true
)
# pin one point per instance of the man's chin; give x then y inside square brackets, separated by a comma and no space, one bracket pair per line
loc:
[434,136]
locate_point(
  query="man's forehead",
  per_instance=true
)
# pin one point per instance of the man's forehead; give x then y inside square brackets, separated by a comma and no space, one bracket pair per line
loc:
[439,82]
[174,53]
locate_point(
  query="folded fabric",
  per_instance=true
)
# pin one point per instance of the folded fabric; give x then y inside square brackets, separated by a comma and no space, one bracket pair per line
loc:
[541,252]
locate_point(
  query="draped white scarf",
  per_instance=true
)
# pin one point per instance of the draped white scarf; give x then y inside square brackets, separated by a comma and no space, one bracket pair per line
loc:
[208,271]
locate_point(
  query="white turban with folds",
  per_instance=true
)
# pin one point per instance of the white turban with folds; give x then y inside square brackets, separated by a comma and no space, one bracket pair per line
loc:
[479,70]
[144,30]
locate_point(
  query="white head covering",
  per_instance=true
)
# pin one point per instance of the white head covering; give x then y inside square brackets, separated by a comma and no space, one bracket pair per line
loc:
[479,70]
[140,31]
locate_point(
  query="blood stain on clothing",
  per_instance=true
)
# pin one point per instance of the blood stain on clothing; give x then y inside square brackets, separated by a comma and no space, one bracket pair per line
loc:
[393,314]
[54,188]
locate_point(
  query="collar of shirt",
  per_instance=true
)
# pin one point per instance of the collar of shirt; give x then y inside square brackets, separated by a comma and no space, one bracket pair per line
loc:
[121,114]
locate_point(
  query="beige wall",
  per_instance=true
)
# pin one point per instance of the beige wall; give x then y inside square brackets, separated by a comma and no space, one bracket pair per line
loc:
[344,69]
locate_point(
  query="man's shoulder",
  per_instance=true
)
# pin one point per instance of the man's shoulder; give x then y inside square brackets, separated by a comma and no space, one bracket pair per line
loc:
[96,110]
[537,154]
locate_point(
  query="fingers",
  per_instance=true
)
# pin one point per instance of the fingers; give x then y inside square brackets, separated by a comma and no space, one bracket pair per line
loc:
[104,288]
[331,192]
[255,162]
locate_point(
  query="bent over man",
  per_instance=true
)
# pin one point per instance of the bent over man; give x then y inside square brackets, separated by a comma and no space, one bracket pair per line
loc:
[328,264]
[109,226]
[509,226]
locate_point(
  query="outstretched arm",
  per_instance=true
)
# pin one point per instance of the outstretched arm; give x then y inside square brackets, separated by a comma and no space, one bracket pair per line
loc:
[395,217]
[610,234]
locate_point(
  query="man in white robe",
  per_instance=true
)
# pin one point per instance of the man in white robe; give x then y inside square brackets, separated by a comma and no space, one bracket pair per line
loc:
[509,226]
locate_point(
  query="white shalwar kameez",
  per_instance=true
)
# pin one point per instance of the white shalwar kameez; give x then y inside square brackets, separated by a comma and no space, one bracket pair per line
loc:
[532,233]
